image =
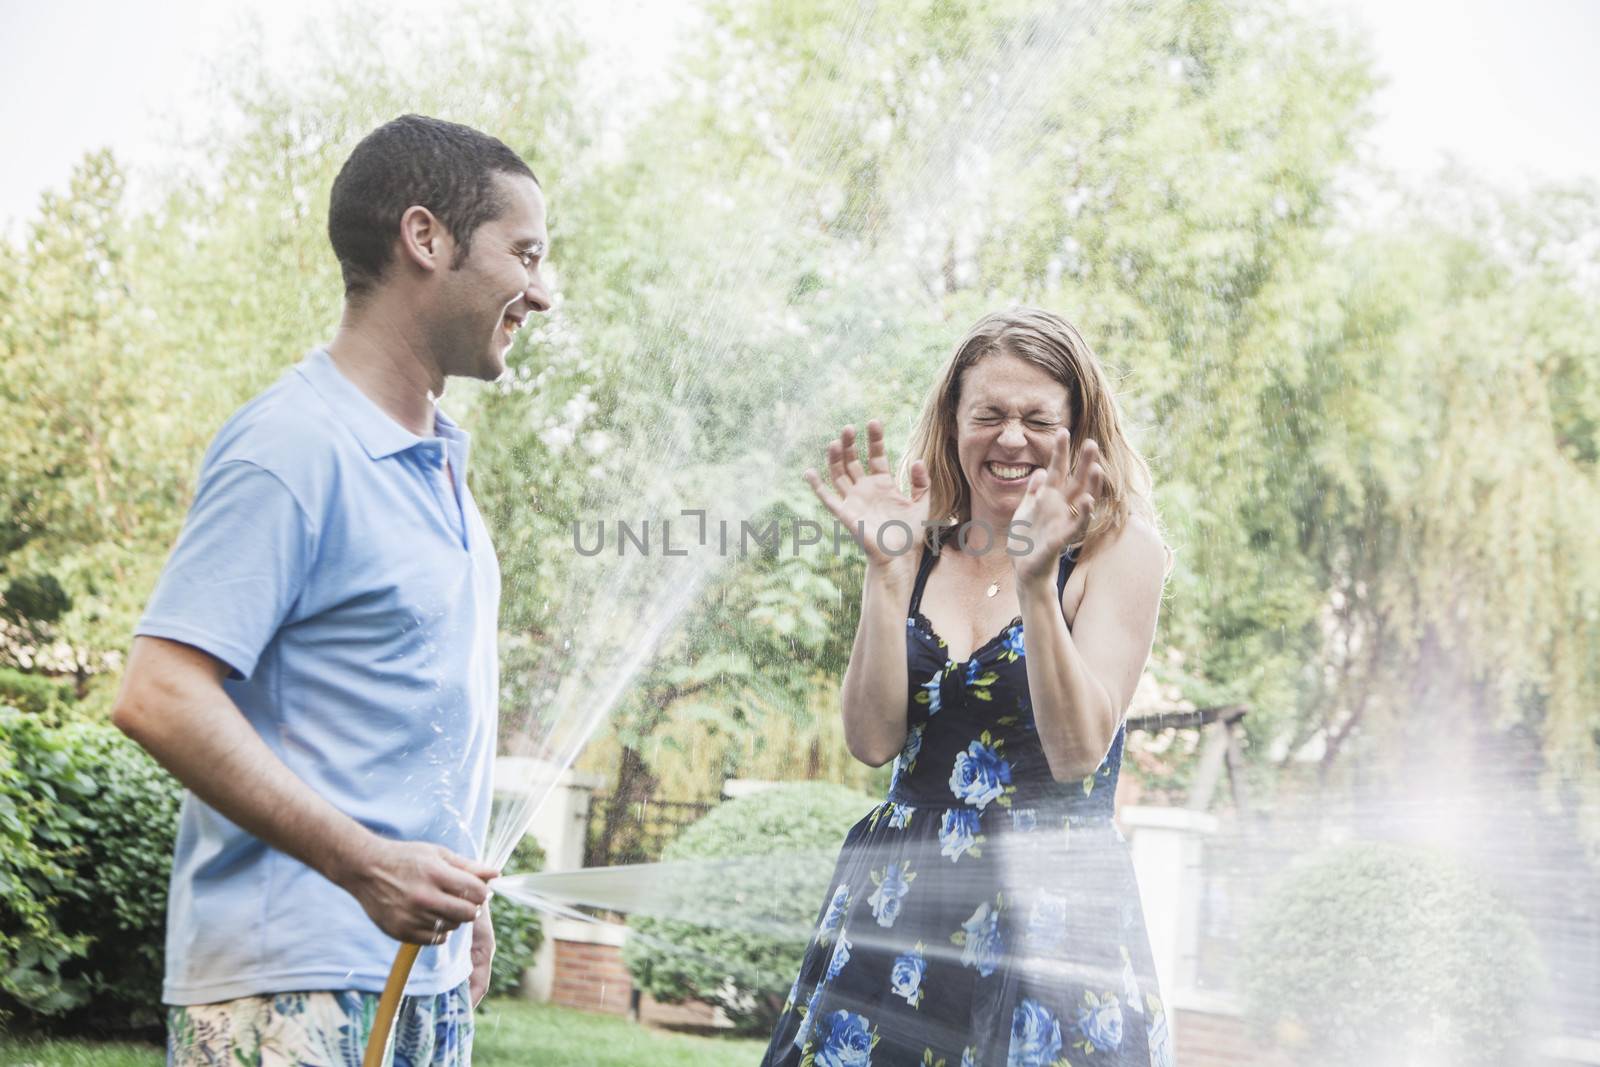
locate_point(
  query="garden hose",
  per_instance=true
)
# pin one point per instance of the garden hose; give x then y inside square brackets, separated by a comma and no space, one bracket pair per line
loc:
[389,1005]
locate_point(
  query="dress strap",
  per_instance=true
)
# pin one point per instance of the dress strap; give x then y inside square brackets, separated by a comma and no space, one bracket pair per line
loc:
[929,557]
[1069,559]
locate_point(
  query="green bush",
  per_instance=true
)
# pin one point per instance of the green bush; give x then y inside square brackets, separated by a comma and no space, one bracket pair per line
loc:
[34,693]
[87,821]
[132,821]
[780,847]
[518,932]
[1365,950]
[36,845]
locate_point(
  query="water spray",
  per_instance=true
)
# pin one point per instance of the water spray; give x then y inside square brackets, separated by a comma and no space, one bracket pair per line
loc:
[596,677]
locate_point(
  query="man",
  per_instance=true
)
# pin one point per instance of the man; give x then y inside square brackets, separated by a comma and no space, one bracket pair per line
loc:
[318,662]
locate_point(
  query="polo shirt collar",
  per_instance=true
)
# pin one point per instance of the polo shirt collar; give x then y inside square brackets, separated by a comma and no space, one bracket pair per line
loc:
[379,434]
[457,441]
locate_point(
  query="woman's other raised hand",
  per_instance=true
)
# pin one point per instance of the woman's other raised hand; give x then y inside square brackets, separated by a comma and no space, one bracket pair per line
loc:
[1057,505]
[885,522]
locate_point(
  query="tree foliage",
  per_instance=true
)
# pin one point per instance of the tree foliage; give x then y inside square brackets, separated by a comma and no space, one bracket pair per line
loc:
[1375,437]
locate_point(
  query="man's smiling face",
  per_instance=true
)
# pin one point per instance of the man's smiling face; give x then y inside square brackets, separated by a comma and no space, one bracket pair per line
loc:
[498,285]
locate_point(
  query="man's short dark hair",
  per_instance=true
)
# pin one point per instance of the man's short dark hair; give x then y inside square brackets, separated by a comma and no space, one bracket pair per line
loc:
[415,160]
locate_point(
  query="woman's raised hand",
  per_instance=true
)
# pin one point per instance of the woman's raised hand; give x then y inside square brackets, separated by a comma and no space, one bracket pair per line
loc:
[1057,504]
[885,522]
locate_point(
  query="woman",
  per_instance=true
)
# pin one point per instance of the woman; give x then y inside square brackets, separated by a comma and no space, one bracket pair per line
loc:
[986,912]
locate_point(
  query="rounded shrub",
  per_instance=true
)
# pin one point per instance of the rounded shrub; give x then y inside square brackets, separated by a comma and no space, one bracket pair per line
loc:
[518,933]
[87,821]
[1365,952]
[742,889]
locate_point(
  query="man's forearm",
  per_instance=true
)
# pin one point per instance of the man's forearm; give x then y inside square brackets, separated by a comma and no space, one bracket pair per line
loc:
[179,712]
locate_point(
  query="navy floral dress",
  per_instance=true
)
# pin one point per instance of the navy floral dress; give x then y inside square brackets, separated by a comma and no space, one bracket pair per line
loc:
[984,913]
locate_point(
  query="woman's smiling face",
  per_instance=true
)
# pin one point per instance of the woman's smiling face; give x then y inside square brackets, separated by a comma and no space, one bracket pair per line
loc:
[1006,424]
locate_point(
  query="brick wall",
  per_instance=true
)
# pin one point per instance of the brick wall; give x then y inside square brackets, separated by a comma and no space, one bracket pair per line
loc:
[592,977]
[1208,1039]
[1218,1037]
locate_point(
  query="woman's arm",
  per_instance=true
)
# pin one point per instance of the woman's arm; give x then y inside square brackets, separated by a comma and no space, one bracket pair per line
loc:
[867,501]
[874,694]
[1082,680]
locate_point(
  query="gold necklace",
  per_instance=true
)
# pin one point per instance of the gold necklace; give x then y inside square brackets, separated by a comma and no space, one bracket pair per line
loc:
[994,588]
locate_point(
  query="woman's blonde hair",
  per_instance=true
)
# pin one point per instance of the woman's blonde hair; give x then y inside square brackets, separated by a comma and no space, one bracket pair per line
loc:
[1055,346]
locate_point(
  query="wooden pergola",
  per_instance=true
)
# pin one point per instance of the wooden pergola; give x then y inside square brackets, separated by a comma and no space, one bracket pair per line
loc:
[1221,726]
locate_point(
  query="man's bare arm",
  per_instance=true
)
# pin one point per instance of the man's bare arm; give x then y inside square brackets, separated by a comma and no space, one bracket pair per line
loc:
[172,703]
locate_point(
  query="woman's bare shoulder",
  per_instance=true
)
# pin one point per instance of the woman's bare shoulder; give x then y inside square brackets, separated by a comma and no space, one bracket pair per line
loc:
[1136,550]
[1131,560]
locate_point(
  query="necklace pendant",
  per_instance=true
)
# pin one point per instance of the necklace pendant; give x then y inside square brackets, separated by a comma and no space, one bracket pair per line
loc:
[994,587]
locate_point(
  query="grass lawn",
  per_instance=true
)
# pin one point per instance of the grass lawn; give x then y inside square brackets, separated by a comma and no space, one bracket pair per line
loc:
[14,1053]
[511,1033]
[516,1033]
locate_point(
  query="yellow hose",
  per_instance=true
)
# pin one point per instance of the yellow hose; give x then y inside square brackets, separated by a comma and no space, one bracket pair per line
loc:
[389,1005]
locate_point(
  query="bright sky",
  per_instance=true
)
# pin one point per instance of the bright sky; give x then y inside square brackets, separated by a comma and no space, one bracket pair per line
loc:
[1506,88]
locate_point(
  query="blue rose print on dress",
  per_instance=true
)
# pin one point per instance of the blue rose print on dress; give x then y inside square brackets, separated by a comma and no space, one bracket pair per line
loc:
[900,815]
[905,977]
[929,692]
[978,684]
[849,1041]
[1099,1023]
[1035,1036]
[834,919]
[1130,983]
[958,833]
[979,938]
[1024,820]
[893,883]
[913,745]
[841,956]
[969,1056]
[1046,931]
[980,775]
[809,1023]
[906,762]
[1011,651]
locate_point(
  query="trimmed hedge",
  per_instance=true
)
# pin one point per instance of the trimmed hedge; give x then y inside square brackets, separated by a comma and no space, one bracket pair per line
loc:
[87,822]
[518,932]
[781,844]
[1368,949]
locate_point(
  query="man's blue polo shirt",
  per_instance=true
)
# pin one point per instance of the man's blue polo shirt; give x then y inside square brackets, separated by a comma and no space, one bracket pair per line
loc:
[328,562]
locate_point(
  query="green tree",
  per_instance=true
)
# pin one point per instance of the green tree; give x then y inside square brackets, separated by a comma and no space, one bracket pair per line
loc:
[1375,442]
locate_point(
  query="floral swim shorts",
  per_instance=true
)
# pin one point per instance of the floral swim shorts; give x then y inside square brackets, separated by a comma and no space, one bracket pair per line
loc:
[323,1029]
